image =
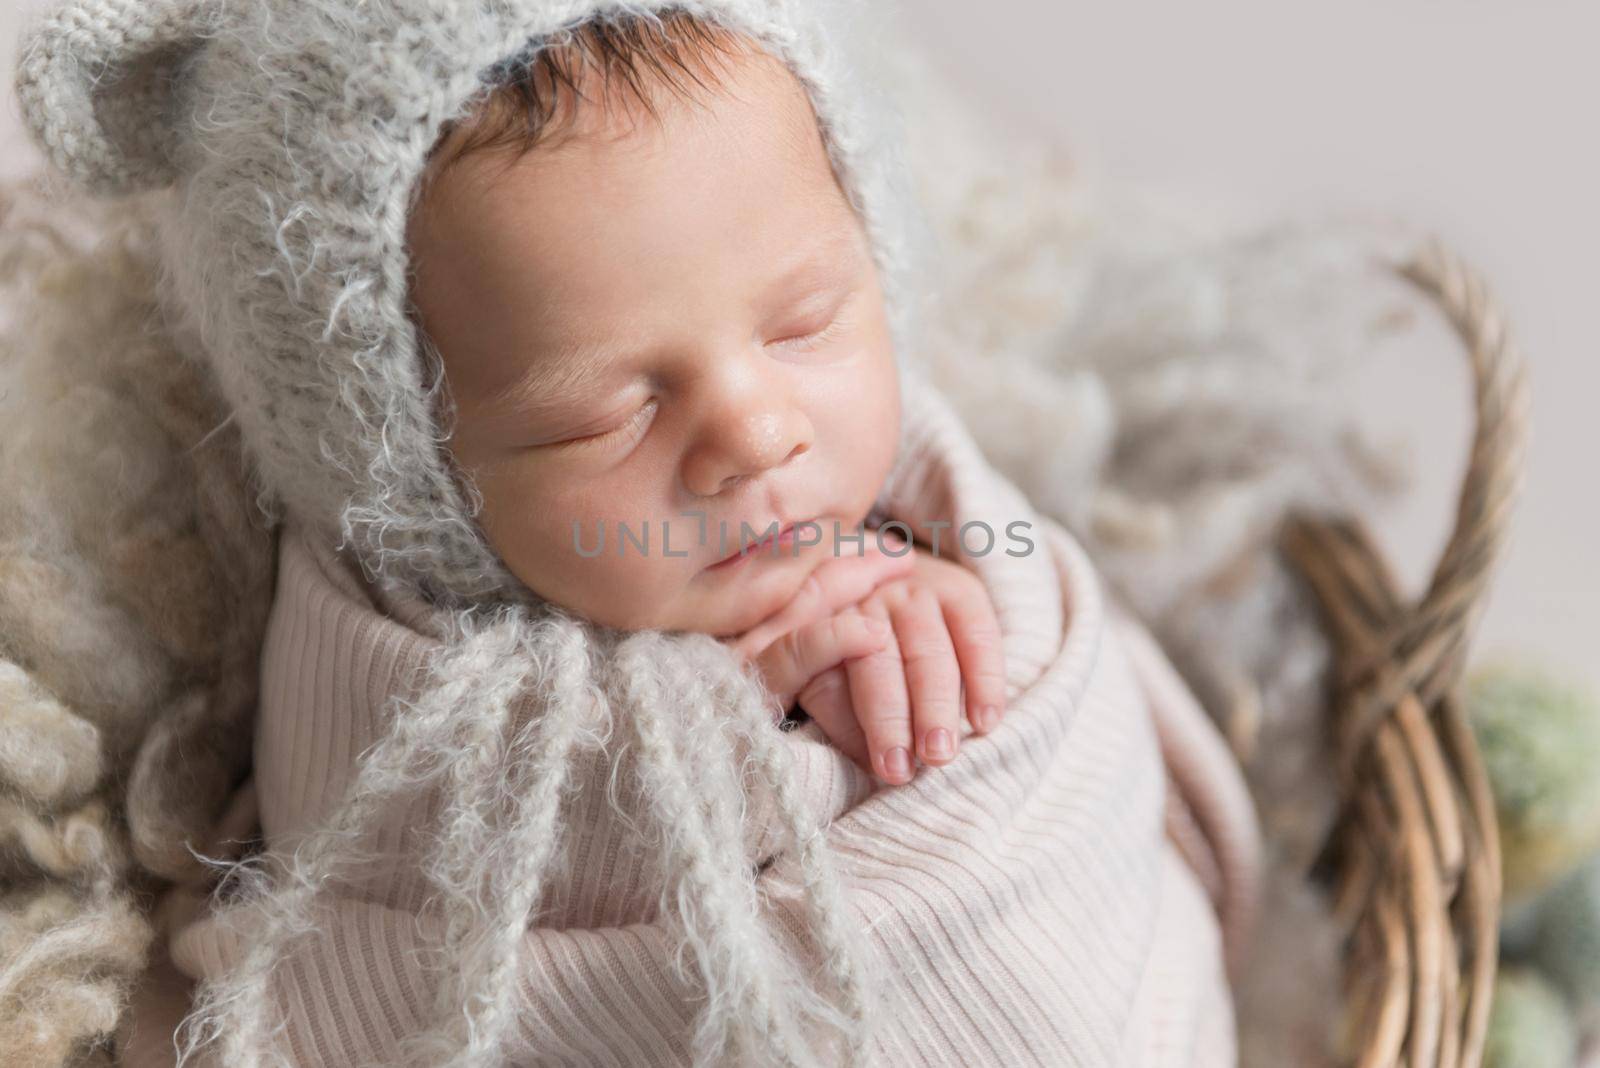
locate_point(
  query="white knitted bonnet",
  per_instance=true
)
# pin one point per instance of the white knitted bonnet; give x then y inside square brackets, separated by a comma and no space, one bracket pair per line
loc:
[295,132]
[291,136]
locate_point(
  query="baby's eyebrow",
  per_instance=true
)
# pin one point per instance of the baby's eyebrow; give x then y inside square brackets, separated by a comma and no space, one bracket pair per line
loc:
[553,381]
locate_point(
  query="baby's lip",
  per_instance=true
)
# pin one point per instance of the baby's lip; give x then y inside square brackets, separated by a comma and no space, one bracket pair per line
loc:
[762,546]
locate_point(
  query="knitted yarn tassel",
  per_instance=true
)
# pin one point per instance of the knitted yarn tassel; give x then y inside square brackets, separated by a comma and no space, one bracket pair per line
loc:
[847,962]
[749,1015]
[481,671]
[757,1003]
[492,883]
[699,724]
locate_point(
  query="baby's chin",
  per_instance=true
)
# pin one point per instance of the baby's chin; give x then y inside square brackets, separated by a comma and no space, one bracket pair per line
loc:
[727,600]
[722,602]
[730,600]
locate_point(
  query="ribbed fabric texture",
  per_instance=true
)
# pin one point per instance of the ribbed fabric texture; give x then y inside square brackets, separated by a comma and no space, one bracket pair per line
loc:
[1052,897]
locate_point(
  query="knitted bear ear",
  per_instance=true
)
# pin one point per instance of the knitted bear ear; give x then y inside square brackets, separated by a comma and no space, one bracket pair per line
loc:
[98,81]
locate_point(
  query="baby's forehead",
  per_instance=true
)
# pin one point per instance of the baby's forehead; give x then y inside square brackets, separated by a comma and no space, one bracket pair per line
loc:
[499,184]
[610,86]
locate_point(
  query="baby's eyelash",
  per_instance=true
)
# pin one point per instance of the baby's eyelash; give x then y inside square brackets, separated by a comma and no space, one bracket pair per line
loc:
[816,338]
[605,437]
[803,342]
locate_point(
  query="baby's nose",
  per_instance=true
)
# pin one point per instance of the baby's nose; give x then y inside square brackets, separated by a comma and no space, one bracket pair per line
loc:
[734,449]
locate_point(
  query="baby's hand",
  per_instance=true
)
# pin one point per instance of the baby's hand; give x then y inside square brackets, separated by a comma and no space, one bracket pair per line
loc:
[945,638]
[812,633]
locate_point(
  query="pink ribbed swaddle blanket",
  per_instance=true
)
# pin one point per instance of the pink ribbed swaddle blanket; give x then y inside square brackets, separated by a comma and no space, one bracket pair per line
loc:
[1066,892]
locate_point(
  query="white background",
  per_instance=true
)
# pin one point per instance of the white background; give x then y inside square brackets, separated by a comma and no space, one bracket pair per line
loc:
[1476,118]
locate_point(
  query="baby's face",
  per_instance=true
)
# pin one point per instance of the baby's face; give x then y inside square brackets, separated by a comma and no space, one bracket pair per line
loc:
[640,320]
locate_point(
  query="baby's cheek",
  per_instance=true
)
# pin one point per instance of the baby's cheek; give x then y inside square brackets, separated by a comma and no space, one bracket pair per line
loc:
[631,591]
[627,591]
[863,433]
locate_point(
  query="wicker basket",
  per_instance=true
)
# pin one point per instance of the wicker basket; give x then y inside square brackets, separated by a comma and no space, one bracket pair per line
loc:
[1415,851]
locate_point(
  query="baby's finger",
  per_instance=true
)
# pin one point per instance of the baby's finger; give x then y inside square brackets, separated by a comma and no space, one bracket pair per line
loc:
[883,708]
[796,658]
[932,673]
[834,585]
[826,699]
[975,630]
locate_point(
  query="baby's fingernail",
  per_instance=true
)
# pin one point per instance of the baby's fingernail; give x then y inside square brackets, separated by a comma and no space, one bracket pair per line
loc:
[940,744]
[897,764]
[989,718]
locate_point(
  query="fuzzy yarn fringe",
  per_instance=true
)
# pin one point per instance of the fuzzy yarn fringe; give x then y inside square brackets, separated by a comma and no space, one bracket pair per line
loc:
[511,702]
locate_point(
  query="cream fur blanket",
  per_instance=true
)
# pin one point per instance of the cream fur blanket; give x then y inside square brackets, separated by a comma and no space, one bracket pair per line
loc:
[1051,898]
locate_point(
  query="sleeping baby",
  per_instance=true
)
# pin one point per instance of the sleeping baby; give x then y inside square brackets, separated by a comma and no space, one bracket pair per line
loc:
[571,346]
[656,310]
